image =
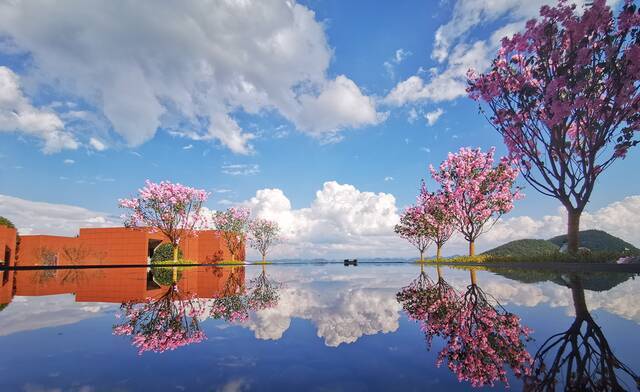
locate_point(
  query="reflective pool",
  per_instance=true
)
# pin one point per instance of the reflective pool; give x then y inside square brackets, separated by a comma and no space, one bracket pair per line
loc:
[316,327]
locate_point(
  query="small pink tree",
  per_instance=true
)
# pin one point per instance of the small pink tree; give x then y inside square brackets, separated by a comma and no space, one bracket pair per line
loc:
[172,209]
[263,234]
[438,218]
[477,192]
[565,96]
[413,228]
[233,225]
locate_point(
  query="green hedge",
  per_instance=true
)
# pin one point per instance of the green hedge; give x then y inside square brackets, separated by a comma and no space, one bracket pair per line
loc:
[164,252]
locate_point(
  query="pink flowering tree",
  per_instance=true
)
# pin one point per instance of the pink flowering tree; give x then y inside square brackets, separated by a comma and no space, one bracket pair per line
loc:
[263,234]
[234,226]
[437,215]
[161,324]
[172,209]
[564,94]
[475,191]
[412,227]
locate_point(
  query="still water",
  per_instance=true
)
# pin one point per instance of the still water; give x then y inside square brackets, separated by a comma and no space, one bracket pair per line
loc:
[316,327]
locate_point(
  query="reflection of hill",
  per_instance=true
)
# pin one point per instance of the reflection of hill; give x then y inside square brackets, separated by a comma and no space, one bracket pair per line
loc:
[594,281]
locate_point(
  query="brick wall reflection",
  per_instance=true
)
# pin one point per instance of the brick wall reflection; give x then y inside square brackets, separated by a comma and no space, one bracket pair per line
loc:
[109,246]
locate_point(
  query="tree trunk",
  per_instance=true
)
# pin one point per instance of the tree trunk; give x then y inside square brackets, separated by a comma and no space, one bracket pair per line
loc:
[264,257]
[573,242]
[438,252]
[577,292]
[439,272]
[472,272]
[422,255]
[472,248]
[175,274]
[175,253]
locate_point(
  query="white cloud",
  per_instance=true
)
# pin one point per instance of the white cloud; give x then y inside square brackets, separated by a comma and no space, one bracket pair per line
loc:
[188,147]
[388,178]
[32,217]
[340,221]
[399,56]
[69,161]
[189,67]
[413,116]
[99,146]
[17,114]
[241,169]
[445,85]
[433,116]
[341,104]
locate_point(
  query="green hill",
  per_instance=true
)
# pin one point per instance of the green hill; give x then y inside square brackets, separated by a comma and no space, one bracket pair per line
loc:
[524,248]
[598,241]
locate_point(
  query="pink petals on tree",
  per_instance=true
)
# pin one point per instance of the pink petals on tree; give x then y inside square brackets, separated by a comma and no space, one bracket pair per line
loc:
[172,209]
[565,96]
[477,193]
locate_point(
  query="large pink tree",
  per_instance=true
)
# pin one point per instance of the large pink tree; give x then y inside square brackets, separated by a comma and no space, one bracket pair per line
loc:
[564,96]
[172,209]
[439,221]
[477,192]
[412,227]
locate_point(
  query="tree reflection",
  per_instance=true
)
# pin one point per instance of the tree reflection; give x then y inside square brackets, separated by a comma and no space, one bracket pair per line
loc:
[264,293]
[233,305]
[481,337]
[164,323]
[580,358]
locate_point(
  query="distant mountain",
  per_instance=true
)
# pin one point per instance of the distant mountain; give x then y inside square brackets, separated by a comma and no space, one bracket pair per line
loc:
[523,248]
[598,241]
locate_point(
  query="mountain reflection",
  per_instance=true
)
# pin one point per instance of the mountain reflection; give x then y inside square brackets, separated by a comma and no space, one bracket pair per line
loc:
[481,337]
[580,358]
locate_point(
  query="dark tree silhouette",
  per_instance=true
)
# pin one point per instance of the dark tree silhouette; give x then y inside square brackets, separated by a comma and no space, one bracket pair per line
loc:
[580,358]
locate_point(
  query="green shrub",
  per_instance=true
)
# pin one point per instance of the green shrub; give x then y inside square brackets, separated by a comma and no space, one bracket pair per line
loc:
[6,223]
[164,275]
[164,252]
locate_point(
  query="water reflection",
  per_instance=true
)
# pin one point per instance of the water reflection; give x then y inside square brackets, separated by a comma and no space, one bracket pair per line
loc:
[481,336]
[171,317]
[580,358]
[319,323]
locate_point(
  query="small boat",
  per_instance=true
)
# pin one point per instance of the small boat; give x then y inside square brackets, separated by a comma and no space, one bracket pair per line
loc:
[348,262]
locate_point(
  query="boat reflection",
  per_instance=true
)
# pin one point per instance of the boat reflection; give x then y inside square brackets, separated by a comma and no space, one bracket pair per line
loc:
[580,358]
[482,339]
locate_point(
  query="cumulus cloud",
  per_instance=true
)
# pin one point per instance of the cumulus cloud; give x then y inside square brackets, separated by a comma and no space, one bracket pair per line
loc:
[17,114]
[31,217]
[433,116]
[340,221]
[97,144]
[190,69]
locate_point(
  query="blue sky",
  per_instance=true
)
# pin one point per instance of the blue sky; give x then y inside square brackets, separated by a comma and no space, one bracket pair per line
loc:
[146,100]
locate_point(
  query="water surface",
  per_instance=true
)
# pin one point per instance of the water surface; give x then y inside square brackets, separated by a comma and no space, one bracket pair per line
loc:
[312,327]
